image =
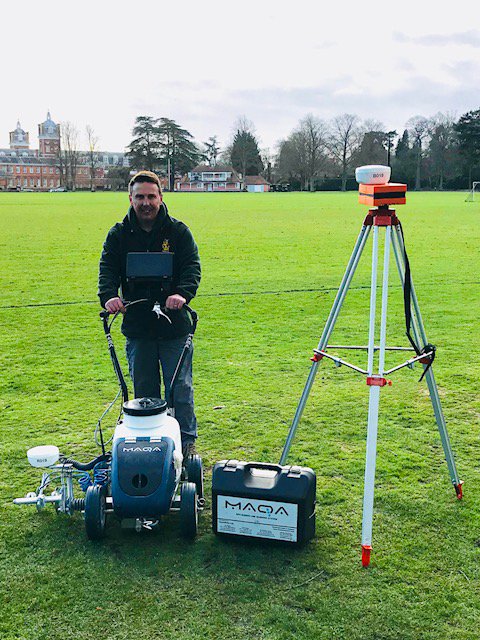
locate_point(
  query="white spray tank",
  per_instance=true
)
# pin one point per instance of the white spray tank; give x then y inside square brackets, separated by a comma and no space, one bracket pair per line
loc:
[149,418]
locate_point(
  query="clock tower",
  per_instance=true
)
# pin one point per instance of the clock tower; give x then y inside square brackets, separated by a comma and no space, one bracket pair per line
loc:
[48,138]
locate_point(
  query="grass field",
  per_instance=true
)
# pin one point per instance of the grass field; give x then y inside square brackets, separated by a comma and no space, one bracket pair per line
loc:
[271,265]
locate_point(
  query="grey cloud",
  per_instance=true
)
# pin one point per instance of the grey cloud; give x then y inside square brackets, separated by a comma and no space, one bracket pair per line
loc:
[276,111]
[470,38]
[464,70]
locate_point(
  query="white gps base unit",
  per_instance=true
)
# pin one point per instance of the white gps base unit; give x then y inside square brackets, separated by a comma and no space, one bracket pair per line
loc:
[373,174]
[43,456]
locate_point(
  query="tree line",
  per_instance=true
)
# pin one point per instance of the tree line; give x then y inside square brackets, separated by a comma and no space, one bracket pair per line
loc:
[440,152]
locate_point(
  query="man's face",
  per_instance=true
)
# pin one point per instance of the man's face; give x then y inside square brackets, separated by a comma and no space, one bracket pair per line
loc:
[145,200]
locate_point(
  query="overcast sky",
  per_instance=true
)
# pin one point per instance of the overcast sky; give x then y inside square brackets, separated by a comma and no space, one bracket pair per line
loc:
[204,64]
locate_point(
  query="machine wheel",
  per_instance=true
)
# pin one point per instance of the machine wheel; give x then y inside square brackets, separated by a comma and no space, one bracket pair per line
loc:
[188,510]
[194,471]
[95,511]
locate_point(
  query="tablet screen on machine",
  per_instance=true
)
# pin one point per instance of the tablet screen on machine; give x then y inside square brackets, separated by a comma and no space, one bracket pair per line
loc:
[149,266]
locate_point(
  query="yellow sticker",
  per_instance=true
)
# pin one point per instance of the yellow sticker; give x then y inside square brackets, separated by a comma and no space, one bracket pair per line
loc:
[165,245]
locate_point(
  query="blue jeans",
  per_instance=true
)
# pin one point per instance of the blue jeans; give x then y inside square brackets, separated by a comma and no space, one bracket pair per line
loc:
[144,359]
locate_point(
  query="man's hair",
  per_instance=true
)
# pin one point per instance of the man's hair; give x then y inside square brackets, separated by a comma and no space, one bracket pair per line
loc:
[145,176]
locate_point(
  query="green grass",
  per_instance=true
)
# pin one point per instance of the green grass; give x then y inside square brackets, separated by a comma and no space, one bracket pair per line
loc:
[271,265]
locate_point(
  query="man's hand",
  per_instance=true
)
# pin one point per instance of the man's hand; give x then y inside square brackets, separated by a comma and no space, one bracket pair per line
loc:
[175,302]
[115,304]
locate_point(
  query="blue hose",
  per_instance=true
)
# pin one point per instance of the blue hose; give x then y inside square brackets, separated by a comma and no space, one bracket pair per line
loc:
[100,474]
[85,481]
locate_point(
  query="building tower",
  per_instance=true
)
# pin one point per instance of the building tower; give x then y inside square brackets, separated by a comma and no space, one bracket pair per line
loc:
[19,138]
[48,138]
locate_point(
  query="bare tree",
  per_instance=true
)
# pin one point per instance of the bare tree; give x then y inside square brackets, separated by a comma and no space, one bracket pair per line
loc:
[290,163]
[442,145]
[418,129]
[302,155]
[92,143]
[267,161]
[343,140]
[313,134]
[212,150]
[70,154]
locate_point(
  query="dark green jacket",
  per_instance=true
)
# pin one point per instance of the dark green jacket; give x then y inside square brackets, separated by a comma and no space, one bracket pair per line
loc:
[167,234]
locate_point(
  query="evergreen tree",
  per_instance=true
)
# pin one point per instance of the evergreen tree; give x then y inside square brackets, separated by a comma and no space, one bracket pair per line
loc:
[245,154]
[178,151]
[468,133]
[372,149]
[403,164]
[143,151]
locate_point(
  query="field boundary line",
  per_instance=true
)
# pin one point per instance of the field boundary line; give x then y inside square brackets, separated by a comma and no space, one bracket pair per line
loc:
[64,303]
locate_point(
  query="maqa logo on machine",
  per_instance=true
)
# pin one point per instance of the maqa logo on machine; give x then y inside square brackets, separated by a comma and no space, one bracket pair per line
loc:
[146,449]
[166,245]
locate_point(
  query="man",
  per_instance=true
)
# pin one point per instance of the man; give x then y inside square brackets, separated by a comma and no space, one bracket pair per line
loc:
[151,340]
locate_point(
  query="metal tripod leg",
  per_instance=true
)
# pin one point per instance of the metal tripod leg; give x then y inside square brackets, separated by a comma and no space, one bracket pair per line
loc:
[374,399]
[337,304]
[421,338]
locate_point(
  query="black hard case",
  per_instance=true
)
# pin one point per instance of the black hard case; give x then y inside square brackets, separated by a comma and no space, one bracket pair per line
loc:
[293,484]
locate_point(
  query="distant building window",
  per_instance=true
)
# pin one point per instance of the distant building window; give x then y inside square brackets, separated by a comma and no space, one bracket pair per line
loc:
[57,170]
[31,182]
[17,169]
[31,169]
[44,182]
[24,169]
[51,169]
[38,169]
[25,182]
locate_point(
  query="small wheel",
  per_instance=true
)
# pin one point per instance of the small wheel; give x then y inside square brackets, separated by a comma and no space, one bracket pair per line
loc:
[194,471]
[188,510]
[95,514]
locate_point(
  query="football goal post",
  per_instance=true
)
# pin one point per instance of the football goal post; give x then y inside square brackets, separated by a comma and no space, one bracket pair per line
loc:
[474,193]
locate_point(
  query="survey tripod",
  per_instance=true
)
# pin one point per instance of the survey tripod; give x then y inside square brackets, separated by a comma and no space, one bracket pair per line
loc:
[380,218]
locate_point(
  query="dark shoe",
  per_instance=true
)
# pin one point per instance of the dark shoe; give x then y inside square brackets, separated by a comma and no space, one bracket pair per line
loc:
[189,449]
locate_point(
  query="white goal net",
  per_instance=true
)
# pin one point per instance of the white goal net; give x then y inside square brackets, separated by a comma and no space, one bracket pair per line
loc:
[474,193]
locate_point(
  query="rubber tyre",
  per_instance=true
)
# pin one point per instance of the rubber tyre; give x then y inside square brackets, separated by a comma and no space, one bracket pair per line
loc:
[95,512]
[188,510]
[194,471]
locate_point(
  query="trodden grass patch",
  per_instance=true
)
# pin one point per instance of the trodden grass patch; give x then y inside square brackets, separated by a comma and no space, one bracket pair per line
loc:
[271,266]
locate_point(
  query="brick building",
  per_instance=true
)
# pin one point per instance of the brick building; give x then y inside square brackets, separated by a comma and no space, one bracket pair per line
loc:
[22,168]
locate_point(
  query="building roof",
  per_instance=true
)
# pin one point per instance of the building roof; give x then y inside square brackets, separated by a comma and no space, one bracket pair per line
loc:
[30,160]
[255,180]
[219,168]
